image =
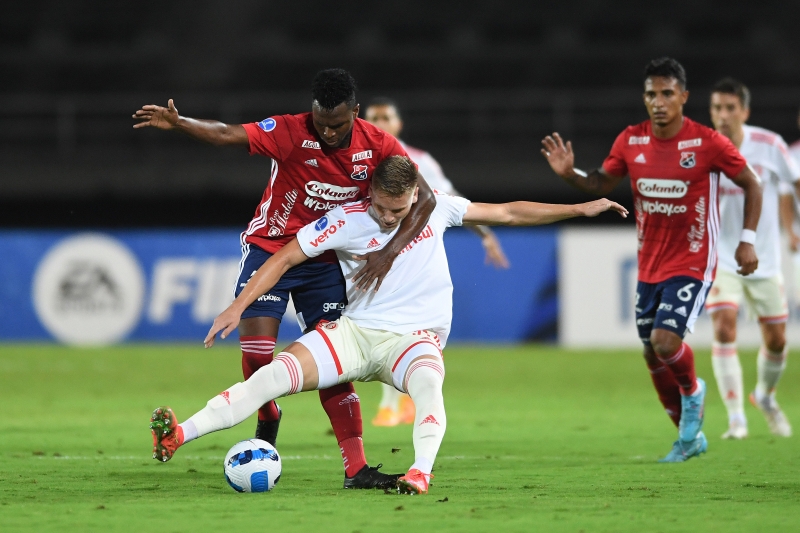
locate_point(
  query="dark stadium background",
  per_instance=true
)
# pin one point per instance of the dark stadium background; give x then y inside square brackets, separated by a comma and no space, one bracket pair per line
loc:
[479,83]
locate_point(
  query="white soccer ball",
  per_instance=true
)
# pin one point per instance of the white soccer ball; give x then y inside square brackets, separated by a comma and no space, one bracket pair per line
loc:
[252,466]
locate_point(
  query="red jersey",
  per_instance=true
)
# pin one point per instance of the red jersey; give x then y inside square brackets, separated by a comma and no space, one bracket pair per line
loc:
[308,178]
[675,191]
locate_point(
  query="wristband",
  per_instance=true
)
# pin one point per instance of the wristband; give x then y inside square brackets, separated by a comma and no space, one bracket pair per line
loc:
[748,236]
[579,172]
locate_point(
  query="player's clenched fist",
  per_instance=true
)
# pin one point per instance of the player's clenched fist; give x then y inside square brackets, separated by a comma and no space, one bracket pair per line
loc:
[163,118]
[746,258]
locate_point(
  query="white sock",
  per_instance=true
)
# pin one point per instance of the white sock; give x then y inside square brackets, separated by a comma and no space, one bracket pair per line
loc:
[281,377]
[390,398]
[770,367]
[424,380]
[728,371]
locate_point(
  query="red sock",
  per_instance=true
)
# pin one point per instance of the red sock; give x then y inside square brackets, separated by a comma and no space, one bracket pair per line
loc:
[668,391]
[681,363]
[343,407]
[257,351]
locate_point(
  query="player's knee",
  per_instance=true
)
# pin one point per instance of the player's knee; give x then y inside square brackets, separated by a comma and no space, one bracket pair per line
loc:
[665,343]
[724,326]
[424,373]
[775,341]
[650,356]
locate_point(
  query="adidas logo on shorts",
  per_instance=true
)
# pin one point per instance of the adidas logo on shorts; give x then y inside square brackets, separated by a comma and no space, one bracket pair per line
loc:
[670,322]
[681,311]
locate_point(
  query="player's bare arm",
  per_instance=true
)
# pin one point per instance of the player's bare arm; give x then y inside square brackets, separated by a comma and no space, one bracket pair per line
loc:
[786,210]
[210,131]
[562,160]
[266,277]
[535,214]
[746,252]
[379,262]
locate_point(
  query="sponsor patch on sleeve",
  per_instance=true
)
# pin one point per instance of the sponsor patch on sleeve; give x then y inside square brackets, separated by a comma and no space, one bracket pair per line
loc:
[268,124]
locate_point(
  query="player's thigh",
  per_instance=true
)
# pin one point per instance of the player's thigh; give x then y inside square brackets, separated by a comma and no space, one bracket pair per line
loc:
[403,353]
[271,304]
[681,300]
[645,307]
[336,352]
[726,292]
[319,294]
[767,299]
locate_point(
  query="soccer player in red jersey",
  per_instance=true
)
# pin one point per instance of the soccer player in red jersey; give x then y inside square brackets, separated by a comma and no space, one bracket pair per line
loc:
[674,164]
[320,159]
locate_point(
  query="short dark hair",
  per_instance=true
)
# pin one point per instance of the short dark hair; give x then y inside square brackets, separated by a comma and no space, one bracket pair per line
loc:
[734,87]
[395,176]
[332,87]
[666,67]
[384,101]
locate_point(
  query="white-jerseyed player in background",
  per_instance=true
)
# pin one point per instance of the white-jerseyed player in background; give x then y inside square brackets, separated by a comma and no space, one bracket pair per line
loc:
[790,209]
[395,407]
[395,335]
[767,154]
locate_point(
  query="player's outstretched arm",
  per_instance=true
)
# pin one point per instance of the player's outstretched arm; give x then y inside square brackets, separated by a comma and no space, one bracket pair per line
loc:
[536,214]
[379,262]
[746,252]
[261,282]
[210,131]
[562,160]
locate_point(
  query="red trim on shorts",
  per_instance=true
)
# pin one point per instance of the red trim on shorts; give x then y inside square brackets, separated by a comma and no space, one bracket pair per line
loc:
[409,348]
[773,319]
[333,352]
[722,305]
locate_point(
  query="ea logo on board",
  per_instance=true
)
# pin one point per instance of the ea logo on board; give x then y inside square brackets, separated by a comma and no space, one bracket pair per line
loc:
[89,290]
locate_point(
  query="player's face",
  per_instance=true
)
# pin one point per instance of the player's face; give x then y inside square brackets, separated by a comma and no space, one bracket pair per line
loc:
[334,126]
[385,117]
[728,114]
[664,99]
[391,210]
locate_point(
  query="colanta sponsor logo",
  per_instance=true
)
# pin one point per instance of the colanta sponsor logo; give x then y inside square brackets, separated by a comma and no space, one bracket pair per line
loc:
[326,191]
[658,188]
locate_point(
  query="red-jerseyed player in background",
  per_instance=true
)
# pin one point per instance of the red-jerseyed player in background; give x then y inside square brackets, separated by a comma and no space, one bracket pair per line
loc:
[320,160]
[674,164]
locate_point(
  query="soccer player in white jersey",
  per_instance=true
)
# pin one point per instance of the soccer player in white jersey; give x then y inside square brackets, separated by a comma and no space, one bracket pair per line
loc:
[395,335]
[790,208]
[768,155]
[397,408]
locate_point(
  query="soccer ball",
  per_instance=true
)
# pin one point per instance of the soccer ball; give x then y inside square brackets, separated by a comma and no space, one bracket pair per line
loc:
[252,466]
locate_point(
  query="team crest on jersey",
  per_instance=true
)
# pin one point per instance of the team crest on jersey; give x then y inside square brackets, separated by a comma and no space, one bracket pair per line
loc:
[268,124]
[687,159]
[362,155]
[310,144]
[359,172]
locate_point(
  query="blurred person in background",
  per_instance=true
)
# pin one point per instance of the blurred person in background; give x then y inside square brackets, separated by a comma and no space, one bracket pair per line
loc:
[790,220]
[674,165]
[395,407]
[767,154]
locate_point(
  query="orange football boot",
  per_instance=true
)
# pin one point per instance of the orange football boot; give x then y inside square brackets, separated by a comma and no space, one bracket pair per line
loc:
[386,417]
[415,482]
[407,409]
[167,434]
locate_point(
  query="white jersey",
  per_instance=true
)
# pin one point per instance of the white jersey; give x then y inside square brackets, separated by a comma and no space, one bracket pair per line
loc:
[767,154]
[430,169]
[417,293]
[794,151]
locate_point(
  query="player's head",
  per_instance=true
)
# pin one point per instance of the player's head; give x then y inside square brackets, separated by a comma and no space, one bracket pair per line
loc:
[333,107]
[730,106]
[393,190]
[665,90]
[383,113]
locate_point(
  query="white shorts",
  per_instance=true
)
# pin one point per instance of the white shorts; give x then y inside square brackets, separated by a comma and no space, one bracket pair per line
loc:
[345,352]
[766,297]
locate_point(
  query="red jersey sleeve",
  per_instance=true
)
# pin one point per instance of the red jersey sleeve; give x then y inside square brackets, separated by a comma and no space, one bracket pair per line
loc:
[726,157]
[615,164]
[270,137]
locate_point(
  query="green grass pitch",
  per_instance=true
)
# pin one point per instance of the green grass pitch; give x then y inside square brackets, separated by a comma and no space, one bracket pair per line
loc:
[538,439]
